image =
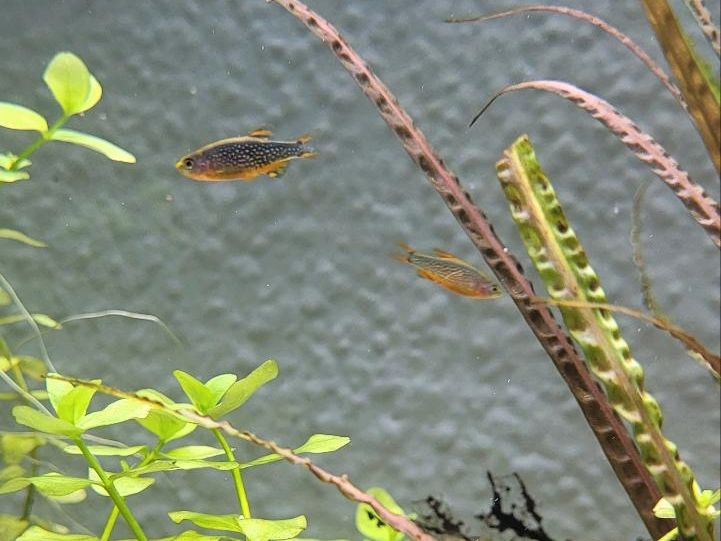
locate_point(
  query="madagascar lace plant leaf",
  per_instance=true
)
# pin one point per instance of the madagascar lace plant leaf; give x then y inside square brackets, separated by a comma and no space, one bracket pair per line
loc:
[598,23]
[695,84]
[563,265]
[703,208]
[607,427]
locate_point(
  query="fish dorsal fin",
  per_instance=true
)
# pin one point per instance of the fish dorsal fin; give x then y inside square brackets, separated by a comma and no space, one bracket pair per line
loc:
[260,133]
[446,255]
[304,138]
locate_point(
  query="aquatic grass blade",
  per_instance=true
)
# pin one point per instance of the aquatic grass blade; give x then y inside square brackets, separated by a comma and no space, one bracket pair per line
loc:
[19,236]
[695,85]
[560,259]
[608,429]
[703,208]
[625,40]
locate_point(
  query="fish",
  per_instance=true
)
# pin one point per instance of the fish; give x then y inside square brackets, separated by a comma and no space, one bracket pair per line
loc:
[451,272]
[244,158]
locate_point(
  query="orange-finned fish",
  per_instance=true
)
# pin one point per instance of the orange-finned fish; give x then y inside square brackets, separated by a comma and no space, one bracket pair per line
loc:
[450,272]
[243,158]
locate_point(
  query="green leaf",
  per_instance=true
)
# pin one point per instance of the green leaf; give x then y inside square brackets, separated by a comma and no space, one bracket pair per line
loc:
[57,389]
[4,297]
[317,443]
[46,321]
[191,535]
[15,447]
[199,394]
[40,319]
[74,497]
[174,465]
[106,450]
[8,159]
[193,452]
[117,412]
[94,95]
[219,385]
[126,486]
[217,522]
[106,148]
[323,443]
[41,422]
[11,527]
[13,176]
[242,390]
[11,472]
[50,484]
[12,234]
[370,525]
[69,80]
[74,404]
[17,117]
[254,529]
[165,425]
[36,533]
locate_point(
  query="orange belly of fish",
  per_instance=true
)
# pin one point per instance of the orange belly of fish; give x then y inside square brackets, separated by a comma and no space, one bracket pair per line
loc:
[248,173]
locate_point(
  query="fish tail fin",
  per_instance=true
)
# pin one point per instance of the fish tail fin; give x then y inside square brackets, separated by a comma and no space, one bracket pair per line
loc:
[402,256]
[305,151]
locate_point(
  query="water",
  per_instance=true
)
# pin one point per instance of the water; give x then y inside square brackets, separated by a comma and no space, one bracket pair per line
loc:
[433,389]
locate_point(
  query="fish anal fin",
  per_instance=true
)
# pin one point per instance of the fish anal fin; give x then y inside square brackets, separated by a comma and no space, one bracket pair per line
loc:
[278,171]
[260,133]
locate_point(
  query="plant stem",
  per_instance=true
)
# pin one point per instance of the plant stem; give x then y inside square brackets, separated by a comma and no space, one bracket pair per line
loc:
[30,495]
[237,479]
[40,141]
[110,523]
[114,512]
[112,491]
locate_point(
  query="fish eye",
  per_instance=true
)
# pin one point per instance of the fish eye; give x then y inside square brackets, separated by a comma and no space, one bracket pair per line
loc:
[188,163]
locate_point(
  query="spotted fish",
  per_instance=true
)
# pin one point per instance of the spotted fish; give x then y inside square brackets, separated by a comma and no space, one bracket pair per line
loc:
[243,158]
[450,272]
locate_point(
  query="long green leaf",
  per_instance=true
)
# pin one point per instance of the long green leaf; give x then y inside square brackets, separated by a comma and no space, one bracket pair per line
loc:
[117,412]
[562,263]
[36,533]
[106,148]
[13,176]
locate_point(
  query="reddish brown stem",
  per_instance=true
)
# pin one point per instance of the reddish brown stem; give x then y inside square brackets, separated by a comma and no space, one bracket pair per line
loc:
[608,428]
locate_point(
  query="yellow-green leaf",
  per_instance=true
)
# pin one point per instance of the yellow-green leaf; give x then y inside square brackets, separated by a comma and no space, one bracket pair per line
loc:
[17,117]
[92,142]
[13,176]
[69,80]
[41,422]
[36,533]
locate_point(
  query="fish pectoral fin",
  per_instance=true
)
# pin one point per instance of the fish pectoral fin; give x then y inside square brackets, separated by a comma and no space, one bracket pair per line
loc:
[303,139]
[278,171]
[260,133]
[308,154]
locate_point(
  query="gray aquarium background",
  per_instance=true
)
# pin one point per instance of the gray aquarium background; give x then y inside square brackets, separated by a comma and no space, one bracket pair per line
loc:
[433,389]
